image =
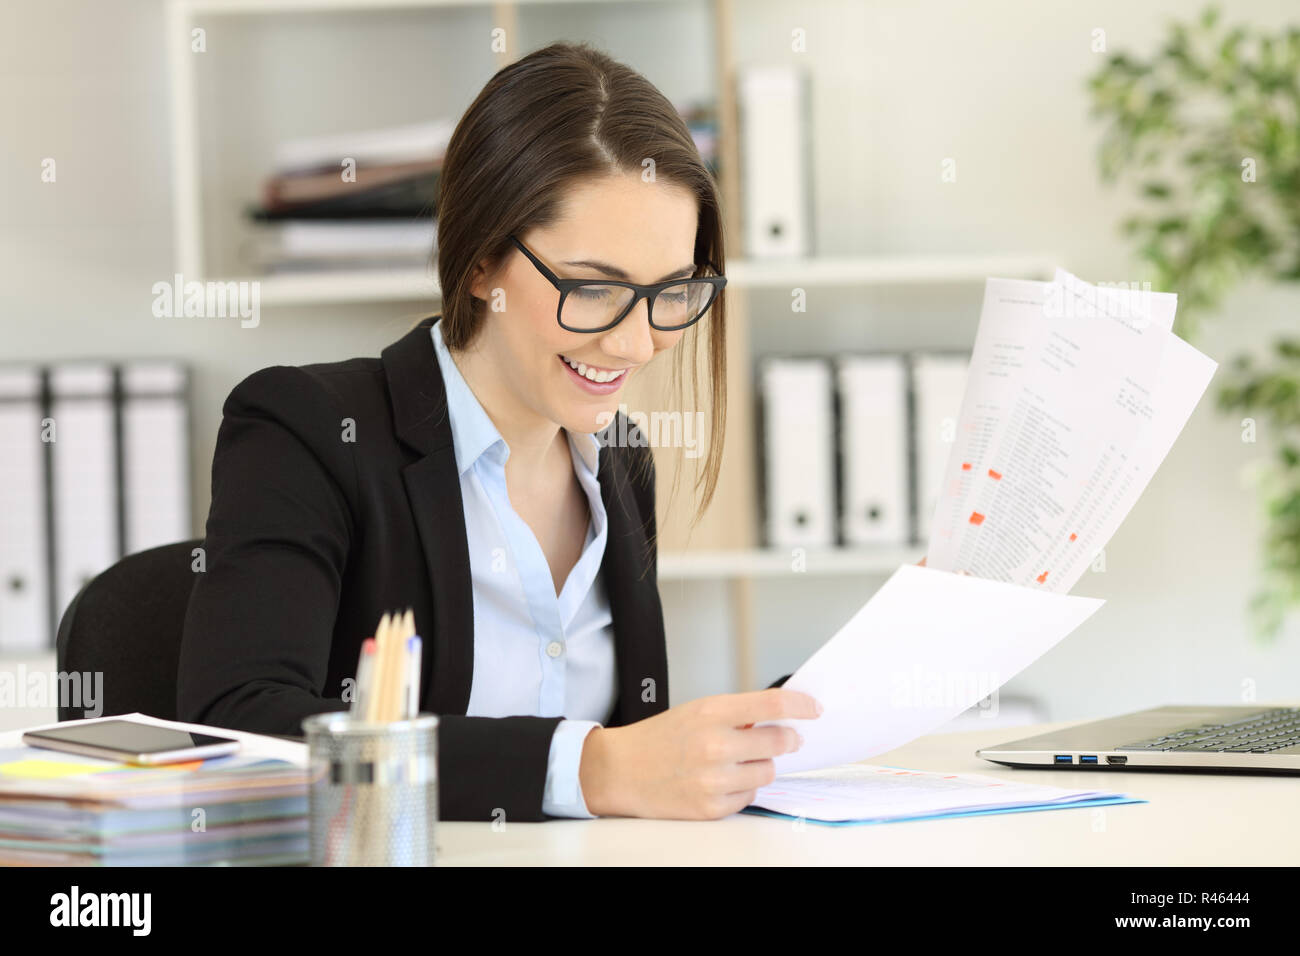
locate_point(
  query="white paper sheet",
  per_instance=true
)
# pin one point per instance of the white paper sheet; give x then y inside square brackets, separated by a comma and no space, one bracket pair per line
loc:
[927,646]
[1076,393]
[1185,374]
[1067,414]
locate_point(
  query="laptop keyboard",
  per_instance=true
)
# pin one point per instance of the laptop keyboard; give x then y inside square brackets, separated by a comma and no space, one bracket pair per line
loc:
[1259,733]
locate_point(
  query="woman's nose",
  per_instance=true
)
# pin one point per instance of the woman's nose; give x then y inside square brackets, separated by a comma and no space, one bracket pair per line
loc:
[632,339]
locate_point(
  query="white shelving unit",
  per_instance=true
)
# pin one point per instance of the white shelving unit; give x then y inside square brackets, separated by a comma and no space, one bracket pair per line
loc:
[410,285]
[882,270]
[738,569]
[420,285]
[779,563]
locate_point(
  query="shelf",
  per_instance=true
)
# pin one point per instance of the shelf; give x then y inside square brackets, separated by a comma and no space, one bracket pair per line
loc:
[885,270]
[776,562]
[210,7]
[416,284]
[356,286]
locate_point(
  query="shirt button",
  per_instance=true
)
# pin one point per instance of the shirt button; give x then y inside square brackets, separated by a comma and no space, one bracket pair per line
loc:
[554,649]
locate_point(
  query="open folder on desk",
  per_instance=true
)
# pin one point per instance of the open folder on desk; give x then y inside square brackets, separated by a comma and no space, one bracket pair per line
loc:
[1074,396]
[862,793]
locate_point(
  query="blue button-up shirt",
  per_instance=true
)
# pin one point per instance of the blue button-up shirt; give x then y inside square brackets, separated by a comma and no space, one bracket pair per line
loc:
[535,652]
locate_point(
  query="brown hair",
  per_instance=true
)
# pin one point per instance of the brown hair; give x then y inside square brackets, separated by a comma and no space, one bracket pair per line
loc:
[561,115]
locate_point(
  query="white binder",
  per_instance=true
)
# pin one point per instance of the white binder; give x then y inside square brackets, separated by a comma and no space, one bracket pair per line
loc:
[873,434]
[774,161]
[24,556]
[155,454]
[84,476]
[799,452]
[938,382]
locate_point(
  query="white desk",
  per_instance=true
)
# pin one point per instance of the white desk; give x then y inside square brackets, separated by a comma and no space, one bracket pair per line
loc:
[1191,819]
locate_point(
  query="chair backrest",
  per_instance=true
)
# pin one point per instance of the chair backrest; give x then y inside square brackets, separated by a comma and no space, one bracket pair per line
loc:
[126,624]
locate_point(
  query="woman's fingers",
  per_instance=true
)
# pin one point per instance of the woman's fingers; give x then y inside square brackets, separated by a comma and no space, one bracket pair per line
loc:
[775,703]
[750,776]
[741,800]
[763,743]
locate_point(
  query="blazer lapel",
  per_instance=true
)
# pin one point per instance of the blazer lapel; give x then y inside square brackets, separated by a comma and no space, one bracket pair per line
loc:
[420,418]
[633,598]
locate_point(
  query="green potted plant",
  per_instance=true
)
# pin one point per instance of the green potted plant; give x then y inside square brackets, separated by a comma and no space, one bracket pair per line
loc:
[1208,131]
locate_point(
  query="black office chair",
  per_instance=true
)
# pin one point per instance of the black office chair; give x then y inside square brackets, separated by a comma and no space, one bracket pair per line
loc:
[127,623]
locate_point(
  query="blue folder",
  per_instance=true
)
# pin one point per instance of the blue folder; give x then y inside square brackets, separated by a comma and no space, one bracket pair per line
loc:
[1093,802]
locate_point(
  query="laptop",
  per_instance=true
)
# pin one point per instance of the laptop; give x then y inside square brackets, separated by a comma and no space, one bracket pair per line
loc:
[1247,738]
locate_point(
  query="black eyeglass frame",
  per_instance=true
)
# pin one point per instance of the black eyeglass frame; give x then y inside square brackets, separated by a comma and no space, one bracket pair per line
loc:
[647,292]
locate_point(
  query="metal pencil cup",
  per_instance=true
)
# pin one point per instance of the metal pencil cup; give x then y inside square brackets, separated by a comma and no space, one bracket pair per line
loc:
[373,790]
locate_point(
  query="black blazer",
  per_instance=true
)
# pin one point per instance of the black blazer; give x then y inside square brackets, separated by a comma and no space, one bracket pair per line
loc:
[312,537]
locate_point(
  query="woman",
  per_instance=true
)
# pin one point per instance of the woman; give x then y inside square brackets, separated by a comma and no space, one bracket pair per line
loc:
[460,474]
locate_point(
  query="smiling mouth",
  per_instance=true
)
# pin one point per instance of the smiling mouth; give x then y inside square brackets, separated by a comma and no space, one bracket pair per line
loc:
[600,376]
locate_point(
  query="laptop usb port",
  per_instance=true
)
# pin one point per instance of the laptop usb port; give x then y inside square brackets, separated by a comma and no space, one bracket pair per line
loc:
[1064,758]
[1117,759]
[1085,758]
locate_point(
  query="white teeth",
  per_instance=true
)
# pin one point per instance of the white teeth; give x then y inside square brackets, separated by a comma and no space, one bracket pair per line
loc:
[591,374]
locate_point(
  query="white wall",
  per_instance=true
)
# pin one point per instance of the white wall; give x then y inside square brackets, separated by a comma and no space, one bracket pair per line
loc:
[898,86]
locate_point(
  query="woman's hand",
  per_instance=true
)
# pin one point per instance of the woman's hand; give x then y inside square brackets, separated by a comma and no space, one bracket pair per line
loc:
[921,563]
[698,761]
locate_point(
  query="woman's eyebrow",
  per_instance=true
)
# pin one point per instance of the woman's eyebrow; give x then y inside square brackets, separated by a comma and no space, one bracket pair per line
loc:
[617,273]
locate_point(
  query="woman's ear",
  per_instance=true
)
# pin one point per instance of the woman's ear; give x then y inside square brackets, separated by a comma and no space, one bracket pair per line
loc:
[485,279]
[478,281]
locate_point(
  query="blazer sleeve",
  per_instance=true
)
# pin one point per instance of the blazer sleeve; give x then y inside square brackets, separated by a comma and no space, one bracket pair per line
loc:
[260,623]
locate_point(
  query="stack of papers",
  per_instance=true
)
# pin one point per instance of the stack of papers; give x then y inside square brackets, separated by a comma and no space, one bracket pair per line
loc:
[356,200]
[862,793]
[392,145]
[59,809]
[1074,397]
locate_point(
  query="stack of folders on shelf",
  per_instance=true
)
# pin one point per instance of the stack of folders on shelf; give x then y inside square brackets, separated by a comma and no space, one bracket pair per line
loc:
[94,464]
[363,200]
[854,447]
[61,809]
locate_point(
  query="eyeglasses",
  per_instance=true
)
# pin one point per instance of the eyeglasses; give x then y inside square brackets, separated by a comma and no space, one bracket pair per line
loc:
[587,306]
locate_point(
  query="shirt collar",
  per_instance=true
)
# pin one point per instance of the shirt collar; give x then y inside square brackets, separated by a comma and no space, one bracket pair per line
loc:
[473,433]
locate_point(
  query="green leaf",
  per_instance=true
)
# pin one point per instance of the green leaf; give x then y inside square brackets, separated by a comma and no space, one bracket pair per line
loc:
[1199,104]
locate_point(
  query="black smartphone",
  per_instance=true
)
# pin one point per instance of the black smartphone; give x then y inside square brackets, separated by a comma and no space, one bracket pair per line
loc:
[130,741]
